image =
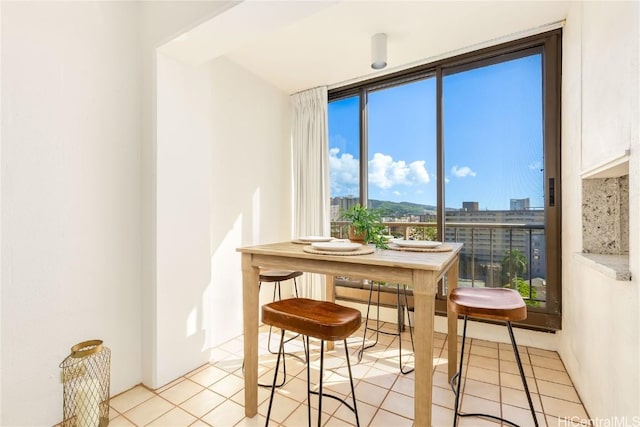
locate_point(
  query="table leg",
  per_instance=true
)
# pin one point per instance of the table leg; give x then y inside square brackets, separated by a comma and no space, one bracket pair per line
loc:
[424,311]
[250,279]
[452,323]
[330,293]
[330,289]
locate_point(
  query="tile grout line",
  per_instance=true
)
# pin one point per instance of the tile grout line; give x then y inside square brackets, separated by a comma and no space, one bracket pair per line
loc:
[500,384]
[535,380]
[229,372]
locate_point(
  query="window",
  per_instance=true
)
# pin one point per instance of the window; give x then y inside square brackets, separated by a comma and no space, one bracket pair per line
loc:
[466,149]
[344,153]
[401,148]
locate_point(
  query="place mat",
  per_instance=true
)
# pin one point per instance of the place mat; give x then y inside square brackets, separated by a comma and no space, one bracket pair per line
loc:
[364,250]
[442,248]
[302,242]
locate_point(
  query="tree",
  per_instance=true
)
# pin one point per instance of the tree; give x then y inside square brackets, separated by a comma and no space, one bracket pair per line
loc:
[528,293]
[514,264]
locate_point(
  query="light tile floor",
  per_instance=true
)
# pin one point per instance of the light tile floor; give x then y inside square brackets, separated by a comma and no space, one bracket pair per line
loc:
[212,395]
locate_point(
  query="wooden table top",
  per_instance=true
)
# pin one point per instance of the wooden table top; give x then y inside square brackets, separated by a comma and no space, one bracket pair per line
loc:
[435,261]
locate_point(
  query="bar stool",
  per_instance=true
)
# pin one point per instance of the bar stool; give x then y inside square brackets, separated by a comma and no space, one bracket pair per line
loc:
[322,320]
[494,304]
[277,276]
[377,329]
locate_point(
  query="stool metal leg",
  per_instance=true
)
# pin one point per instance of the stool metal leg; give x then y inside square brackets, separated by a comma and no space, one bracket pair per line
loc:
[276,286]
[366,324]
[524,380]
[275,377]
[377,328]
[321,393]
[320,388]
[306,353]
[458,375]
[353,390]
[401,310]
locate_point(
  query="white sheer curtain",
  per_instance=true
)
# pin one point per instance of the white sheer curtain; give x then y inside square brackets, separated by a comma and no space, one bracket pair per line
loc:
[310,147]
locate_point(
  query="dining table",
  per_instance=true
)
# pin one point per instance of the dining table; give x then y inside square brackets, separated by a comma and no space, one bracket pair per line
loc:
[420,271]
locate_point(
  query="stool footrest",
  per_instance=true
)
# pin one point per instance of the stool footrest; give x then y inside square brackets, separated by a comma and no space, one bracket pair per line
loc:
[344,402]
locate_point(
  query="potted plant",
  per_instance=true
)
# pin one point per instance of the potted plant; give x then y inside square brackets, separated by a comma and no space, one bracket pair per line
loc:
[366,225]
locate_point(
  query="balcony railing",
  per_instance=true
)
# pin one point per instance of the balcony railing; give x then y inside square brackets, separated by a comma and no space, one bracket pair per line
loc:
[493,255]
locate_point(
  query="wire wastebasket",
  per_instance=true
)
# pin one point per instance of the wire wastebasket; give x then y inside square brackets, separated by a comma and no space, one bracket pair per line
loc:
[85,379]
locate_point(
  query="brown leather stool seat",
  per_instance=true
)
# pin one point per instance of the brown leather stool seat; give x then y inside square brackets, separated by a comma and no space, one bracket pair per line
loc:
[493,304]
[322,320]
[267,276]
[488,303]
[318,319]
[278,276]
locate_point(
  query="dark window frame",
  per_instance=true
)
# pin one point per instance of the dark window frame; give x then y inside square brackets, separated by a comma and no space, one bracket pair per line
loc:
[550,45]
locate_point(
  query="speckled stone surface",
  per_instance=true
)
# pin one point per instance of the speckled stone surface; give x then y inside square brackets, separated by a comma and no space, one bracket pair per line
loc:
[624,214]
[613,266]
[605,215]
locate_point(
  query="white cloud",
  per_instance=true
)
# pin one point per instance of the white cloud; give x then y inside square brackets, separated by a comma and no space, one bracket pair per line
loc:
[344,173]
[419,172]
[462,172]
[384,172]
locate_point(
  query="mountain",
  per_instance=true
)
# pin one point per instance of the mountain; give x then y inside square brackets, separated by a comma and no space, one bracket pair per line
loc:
[397,209]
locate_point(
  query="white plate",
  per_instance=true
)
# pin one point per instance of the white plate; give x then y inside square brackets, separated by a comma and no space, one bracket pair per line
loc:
[416,243]
[336,246]
[315,239]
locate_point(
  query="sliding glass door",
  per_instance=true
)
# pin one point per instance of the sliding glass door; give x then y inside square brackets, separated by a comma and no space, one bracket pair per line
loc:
[494,170]
[466,149]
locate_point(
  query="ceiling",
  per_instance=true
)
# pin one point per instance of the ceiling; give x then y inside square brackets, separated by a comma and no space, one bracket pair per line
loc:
[296,45]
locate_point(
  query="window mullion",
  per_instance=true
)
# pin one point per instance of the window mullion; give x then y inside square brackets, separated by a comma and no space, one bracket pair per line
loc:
[440,156]
[364,152]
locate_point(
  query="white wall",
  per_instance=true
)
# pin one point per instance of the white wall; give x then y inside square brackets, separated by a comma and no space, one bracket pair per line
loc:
[78,172]
[79,175]
[160,21]
[223,181]
[599,341]
[70,196]
[609,80]
[251,191]
[182,242]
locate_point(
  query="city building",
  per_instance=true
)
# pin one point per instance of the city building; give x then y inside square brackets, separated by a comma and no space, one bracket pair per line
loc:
[490,235]
[519,204]
[470,206]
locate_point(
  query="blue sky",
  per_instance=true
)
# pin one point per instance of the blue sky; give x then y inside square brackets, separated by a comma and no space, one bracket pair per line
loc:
[492,132]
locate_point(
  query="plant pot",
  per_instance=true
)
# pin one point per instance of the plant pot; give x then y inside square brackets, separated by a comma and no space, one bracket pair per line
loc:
[354,236]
